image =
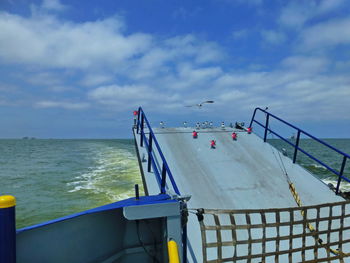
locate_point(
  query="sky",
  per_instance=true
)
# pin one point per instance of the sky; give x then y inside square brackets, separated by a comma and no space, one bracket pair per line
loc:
[78,69]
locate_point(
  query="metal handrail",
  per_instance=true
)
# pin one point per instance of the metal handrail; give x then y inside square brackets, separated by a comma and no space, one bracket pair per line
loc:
[162,174]
[165,172]
[296,145]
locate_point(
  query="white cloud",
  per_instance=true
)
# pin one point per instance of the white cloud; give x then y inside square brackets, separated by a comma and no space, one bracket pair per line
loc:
[165,74]
[93,79]
[61,104]
[245,2]
[129,97]
[166,55]
[239,34]
[330,5]
[60,88]
[191,77]
[326,34]
[306,65]
[48,42]
[301,89]
[54,5]
[152,63]
[208,53]
[184,14]
[124,97]
[240,79]
[43,78]
[5,87]
[190,46]
[273,37]
[254,2]
[233,96]
[319,97]
[186,78]
[343,66]
[115,94]
[99,50]
[297,13]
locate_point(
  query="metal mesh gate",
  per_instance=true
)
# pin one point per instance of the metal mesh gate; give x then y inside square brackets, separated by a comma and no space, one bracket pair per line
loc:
[277,235]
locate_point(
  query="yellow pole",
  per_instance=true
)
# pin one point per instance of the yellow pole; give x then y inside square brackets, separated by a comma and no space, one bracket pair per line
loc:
[173,252]
[7,201]
[7,229]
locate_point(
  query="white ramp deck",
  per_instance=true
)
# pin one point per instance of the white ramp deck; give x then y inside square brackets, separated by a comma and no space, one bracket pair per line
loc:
[242,174]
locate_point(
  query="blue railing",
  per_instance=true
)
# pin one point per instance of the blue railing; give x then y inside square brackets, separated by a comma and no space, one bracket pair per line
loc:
[149,142]
[160,173]
[267,128]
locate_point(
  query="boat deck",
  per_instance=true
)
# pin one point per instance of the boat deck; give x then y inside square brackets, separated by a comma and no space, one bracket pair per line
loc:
[242,174]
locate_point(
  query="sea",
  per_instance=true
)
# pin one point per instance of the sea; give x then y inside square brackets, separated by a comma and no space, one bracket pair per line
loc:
[51,178]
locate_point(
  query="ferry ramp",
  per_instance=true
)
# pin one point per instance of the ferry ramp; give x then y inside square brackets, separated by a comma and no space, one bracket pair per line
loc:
[243,174]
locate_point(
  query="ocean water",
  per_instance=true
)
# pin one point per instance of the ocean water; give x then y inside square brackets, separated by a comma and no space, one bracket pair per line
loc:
[323,153]
[54,178]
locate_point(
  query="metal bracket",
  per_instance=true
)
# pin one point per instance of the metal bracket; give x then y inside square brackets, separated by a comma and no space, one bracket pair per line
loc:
[151,211]
[181,198]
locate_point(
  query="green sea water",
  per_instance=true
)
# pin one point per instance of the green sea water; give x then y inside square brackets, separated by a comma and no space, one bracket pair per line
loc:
[54,178]
[322,153]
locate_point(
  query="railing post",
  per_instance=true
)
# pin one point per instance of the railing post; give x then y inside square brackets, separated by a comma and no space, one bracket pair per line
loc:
[340,174]
[251,121]
[138,121]
[296,147]
[162,187]
[266,126]
[7,229]
[150,152]
[142,123]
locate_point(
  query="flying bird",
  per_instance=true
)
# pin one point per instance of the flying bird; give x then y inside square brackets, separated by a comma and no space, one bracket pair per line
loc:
[199,105]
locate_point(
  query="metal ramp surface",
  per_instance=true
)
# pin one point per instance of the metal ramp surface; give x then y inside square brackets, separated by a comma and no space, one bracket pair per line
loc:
[242,174]
[239,176]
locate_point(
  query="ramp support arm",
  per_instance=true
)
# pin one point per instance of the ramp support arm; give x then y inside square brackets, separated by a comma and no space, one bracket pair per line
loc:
[296,147]
[162,187]
[149,152]
[142,125]
[266,126]
[341,174]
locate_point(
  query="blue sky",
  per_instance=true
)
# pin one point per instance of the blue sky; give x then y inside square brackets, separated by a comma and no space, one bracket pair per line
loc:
[77,69]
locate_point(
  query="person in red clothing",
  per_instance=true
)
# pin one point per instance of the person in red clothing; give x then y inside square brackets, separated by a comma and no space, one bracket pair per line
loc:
[194,134]
[234,136]
[249,130]
[213,144]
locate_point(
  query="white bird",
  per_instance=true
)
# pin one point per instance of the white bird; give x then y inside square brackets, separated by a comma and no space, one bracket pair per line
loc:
[199,105]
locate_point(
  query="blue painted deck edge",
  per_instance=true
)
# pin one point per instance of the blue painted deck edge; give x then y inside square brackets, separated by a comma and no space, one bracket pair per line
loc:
[144,200]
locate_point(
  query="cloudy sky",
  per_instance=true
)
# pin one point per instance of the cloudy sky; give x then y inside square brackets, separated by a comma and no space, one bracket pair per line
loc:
[77,69]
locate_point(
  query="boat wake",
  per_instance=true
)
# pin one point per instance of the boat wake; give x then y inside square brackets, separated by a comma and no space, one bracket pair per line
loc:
[111,178]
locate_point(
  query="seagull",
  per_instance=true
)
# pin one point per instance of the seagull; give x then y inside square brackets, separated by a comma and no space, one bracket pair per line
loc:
[199,105]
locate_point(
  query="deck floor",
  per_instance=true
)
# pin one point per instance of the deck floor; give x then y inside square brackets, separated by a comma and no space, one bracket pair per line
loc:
[241,174]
